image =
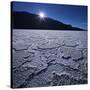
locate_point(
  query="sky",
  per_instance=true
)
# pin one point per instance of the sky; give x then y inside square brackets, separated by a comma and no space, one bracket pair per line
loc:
[68,14]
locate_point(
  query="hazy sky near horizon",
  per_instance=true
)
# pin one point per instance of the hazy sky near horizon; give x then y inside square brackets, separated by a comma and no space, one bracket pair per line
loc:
[68,14]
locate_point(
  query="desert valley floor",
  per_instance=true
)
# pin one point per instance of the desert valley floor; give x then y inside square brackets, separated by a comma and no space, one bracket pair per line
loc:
[48,58]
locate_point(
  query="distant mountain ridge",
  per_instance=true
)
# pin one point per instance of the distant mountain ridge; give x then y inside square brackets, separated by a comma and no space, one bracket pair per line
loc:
[25,20]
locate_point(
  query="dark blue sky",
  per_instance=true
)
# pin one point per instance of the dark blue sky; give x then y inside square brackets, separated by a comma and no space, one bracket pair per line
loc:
[68,14]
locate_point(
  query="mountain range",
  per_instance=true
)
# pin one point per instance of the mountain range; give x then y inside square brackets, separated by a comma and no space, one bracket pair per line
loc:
[26,20]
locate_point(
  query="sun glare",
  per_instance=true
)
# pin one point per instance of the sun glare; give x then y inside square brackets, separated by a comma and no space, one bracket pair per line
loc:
[42,15]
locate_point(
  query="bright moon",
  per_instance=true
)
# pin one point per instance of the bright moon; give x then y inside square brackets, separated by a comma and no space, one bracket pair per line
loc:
[41,14]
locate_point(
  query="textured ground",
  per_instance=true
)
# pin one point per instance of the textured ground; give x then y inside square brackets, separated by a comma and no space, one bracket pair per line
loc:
[49,58]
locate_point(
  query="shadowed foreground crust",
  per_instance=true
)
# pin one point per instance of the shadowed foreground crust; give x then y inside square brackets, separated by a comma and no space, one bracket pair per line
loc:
[49,58]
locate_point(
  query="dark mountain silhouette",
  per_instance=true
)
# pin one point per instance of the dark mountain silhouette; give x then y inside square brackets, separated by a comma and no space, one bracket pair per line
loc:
[25,20]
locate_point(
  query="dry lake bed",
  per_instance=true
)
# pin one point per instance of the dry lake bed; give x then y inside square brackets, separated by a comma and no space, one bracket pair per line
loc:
[48,58]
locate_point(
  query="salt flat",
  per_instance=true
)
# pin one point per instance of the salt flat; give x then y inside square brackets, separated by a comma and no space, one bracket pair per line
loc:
[49,57]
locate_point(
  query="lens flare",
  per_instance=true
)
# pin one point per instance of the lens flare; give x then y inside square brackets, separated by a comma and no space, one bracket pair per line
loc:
[42,15]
